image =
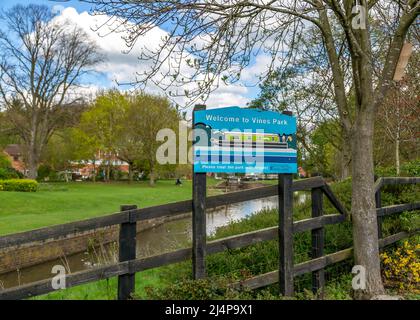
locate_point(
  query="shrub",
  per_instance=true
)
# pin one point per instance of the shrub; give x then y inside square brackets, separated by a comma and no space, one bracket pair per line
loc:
[203,289]
[402,267]
[44,171]
[4,161]
[9,173]
[21,185]
[410,169]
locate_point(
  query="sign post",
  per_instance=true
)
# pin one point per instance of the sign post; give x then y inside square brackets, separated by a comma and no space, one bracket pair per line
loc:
[245,141]
[199,215]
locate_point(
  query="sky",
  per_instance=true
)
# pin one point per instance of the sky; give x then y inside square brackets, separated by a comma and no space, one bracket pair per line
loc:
[120,67]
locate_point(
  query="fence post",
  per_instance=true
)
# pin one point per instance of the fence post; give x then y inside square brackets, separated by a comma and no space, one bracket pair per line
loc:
[318,277]
[199,218]
[127,251]
[378,204]
[285,234]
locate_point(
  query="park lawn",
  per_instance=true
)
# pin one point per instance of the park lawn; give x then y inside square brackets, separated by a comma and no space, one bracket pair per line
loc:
[57,203]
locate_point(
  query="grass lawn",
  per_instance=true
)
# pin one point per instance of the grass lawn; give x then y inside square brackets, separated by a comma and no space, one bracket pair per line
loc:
[57,203]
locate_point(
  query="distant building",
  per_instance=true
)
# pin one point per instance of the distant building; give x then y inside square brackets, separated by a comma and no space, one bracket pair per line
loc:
[86,169]
[15,154]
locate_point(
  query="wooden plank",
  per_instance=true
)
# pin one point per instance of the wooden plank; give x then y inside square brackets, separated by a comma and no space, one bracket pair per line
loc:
[334,201]
[62,230]
[127,252]
[397,237]
[299,269]
[378,204]
[315,264]
[74,279]
[308,184]
[259,281]
[398,208]
[233,242]
[161,260]
[378,184]
[322,262]
[170,209]
[285,234]
[199,214]
[400,180]
[242,240]
[318,222]
[317,239]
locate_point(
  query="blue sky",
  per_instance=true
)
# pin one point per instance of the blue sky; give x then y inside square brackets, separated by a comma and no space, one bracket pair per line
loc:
[122,67]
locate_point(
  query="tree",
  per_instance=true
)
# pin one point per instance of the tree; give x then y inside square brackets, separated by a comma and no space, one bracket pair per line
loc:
[100,127]
[41,60]
[398,118]
[149,114]
[216,40]
[306,91]
[322,152]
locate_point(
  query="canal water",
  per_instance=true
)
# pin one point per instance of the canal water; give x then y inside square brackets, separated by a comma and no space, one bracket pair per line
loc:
[159,239]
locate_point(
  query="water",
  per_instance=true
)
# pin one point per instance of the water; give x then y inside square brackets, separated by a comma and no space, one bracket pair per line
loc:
[162,238]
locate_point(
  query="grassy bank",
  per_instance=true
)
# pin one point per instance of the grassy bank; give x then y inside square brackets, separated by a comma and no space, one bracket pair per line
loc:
[57,203]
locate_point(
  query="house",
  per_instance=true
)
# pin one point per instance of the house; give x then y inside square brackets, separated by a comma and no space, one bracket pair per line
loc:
[15,154]
[88,168]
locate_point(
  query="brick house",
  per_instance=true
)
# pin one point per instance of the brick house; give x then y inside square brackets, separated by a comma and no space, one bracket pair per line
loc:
[15,154]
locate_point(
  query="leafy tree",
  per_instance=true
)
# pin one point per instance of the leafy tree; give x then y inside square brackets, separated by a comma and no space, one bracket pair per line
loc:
[100,128]
[149,114]
[322,155]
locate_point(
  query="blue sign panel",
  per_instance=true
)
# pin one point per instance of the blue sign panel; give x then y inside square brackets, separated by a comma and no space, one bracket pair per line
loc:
[238,140]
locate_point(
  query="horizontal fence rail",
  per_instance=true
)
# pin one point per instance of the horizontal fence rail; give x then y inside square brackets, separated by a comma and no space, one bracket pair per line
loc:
[385,181]
[131,216]
[271,277]
[171,209]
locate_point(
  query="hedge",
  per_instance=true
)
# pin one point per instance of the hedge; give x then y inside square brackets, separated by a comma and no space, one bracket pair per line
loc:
[21,185]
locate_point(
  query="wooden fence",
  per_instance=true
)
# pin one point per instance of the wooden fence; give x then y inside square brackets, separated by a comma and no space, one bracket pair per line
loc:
[130,215]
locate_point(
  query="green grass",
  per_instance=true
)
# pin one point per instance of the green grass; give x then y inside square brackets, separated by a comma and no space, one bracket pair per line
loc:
[107,289]
[58,203]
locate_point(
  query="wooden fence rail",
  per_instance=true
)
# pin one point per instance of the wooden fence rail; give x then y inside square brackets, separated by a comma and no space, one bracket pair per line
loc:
[130,215]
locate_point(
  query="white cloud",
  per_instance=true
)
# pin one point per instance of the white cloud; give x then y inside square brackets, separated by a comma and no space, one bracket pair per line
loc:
[122,67]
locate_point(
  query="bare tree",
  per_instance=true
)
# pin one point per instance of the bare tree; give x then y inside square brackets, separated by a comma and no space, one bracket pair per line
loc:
[209,42]
[41,59]
[399,117]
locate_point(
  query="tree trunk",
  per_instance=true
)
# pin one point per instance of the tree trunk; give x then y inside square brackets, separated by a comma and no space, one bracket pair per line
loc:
[397,155]
[365,228]
[152,178]
[32,163]
[130,173]
[94,171]
[108,171]
[345,158]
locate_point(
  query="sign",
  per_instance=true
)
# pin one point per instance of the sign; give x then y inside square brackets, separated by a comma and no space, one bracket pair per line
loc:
[238,140]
